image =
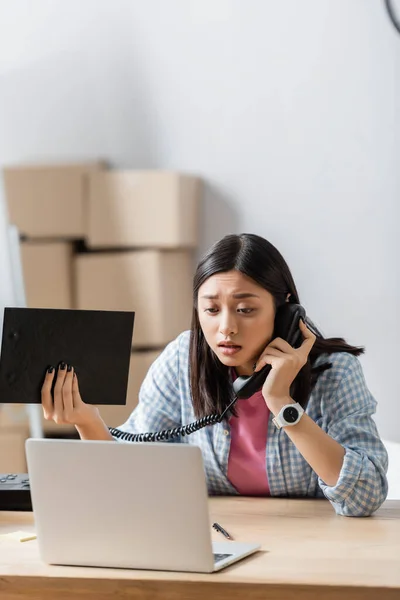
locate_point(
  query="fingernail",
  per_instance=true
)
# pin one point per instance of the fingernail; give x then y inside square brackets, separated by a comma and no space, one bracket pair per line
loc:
[50,369]
[69,368]
[62,366]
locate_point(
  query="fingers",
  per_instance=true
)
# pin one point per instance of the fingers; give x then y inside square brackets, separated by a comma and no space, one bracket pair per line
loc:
[280,348]
[304,349]
[76,396]
[309,338]
[58,394]
[67,394]
[47,400]
[59,405]
[265,358]
[281,345]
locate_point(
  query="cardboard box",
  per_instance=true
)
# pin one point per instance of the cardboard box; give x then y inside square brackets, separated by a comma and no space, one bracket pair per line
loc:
[158,209]
[12,450]
[47,270]
[49,201]
[157,285]
[140,364]
[13,416]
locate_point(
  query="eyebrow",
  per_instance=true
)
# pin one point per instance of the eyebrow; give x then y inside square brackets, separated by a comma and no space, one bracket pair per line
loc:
[238,296]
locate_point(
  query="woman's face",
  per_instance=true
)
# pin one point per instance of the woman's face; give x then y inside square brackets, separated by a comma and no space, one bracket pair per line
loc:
[237,318]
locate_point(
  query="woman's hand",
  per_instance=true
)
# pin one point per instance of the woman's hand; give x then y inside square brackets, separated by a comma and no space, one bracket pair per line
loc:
[286,363]
[67,406]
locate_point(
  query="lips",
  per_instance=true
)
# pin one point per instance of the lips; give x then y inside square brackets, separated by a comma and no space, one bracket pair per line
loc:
[229,349]
[228,345]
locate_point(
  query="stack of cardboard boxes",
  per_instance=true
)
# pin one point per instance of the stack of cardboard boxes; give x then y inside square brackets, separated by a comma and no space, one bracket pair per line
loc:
[94,238]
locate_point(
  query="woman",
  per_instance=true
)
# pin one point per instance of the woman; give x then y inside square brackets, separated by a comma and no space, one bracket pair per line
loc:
[330,447]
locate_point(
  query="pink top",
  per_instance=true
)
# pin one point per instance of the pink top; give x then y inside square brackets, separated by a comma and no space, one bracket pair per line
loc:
[247,470]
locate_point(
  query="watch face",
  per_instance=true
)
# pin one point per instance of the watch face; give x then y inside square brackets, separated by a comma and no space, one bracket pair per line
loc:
[290,414]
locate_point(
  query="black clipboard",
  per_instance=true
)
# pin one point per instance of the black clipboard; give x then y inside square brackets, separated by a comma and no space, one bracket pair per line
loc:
[96,343]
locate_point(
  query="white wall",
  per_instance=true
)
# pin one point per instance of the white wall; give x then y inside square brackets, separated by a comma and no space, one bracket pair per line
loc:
[289,110]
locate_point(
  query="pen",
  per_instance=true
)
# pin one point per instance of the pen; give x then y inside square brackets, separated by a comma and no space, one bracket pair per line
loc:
[218,527]
[28,539]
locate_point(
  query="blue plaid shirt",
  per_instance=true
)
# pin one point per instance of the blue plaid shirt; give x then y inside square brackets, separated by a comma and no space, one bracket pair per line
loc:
[340,404]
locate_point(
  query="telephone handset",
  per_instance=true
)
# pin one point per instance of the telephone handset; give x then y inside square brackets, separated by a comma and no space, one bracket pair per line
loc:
[286,326]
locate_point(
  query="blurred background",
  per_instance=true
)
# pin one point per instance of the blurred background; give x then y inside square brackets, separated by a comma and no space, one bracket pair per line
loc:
[135,133]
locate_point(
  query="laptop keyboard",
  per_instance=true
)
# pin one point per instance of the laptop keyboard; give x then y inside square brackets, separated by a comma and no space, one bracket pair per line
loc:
[218,557]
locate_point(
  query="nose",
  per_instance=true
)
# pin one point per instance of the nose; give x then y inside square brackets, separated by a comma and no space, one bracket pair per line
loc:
[227,326]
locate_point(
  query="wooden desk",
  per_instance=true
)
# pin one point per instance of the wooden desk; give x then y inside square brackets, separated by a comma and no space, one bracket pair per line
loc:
[307,552]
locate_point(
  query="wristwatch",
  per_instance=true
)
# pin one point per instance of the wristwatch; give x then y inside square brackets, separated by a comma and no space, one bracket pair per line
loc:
[290,414]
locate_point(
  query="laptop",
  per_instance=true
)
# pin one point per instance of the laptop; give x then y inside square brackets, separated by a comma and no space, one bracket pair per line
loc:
[125,505]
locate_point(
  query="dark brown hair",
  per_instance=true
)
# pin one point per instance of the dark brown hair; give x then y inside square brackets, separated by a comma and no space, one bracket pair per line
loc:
[252,255]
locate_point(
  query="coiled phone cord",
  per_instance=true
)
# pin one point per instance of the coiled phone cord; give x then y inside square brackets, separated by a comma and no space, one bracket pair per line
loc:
[167,434]
[286,326]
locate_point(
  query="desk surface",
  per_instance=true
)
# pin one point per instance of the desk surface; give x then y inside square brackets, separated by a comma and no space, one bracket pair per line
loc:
[307,551]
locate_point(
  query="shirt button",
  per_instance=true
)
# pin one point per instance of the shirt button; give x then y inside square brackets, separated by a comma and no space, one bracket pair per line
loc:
[226,432]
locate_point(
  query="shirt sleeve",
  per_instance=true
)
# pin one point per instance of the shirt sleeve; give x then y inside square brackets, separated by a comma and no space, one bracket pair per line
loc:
[362,485]
[159,405]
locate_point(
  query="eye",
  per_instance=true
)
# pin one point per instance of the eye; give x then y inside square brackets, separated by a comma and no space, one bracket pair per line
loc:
[245,311]
[211,310]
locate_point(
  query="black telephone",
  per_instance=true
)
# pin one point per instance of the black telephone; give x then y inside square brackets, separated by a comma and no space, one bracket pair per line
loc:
[286,326]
